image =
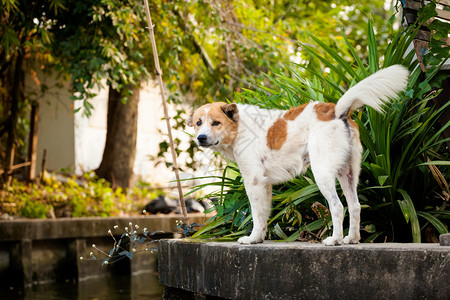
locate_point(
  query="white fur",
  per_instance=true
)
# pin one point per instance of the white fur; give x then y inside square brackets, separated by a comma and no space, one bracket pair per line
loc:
[331,147]
[374,90]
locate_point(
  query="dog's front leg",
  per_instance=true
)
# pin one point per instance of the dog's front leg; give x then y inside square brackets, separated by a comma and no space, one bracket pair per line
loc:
[259,194]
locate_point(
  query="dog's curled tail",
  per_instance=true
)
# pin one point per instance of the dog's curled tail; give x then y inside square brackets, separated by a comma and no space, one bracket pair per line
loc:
[373,90]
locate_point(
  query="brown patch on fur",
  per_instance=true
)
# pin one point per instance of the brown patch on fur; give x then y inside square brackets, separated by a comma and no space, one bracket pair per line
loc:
[277,134]
[354,126]
[293,113]
[325,111]
[269,189]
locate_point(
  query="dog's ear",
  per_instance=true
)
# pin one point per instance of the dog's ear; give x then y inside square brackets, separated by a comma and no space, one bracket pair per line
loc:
[189,120]
[231,111]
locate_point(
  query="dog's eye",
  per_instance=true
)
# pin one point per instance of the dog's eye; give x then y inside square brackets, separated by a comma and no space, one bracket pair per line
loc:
[199,123]
[215,123]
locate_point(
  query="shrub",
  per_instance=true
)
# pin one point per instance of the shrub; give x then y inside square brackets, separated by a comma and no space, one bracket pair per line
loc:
[91,196]
[403,189]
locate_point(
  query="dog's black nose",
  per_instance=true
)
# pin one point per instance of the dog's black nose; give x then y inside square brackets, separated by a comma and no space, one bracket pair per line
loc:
[202,138]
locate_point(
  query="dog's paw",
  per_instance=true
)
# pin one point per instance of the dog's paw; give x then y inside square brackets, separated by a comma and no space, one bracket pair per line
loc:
[332,241]
[249,240]
[351,239]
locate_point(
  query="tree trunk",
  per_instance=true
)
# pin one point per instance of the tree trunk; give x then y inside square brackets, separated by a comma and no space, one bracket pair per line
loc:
[16,98]
[120,147]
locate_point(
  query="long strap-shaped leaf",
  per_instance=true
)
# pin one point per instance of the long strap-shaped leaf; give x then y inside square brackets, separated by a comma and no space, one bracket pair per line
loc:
[409,212]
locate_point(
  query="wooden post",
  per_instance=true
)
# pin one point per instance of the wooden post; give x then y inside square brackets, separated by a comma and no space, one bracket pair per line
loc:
[10,164]
[20,262]
[32,143]
[166,114]
[44,159]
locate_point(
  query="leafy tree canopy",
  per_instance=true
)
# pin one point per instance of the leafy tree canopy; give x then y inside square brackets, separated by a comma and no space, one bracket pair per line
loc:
[208,49]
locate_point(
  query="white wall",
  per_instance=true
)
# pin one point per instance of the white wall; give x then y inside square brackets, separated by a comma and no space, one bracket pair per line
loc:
[90,135]
[77,142]
[56,120]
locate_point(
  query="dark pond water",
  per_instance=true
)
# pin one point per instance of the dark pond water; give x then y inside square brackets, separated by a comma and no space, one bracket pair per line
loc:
[139,286]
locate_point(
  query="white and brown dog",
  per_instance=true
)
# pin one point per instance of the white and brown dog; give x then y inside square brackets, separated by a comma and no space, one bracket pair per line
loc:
[273,146]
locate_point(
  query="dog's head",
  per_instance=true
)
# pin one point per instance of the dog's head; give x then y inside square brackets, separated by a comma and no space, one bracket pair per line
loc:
[215,124]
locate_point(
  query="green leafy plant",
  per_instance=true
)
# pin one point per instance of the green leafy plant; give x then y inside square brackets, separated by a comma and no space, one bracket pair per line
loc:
[91,196]
[403,189]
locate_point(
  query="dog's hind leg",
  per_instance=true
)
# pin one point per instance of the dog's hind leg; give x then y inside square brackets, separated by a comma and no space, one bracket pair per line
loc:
[348,178]
[260,196]
[328,151]
[348,185]
[326,183]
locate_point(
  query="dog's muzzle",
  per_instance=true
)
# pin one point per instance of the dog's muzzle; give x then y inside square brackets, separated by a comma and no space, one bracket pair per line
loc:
[202,141]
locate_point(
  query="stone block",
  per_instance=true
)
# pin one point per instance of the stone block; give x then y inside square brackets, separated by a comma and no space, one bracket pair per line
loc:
[444,239]
[278,270]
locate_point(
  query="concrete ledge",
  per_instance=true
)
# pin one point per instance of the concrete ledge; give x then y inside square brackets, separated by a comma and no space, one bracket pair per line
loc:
[47,229]
[34,251]
[275,270]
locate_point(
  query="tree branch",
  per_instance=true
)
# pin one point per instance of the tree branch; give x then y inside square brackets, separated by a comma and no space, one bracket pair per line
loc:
[198,48]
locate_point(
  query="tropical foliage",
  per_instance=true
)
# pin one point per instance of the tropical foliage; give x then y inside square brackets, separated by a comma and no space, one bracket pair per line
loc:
[403,188]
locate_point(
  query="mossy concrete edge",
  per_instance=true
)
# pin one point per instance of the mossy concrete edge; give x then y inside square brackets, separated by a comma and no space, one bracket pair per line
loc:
[275,270]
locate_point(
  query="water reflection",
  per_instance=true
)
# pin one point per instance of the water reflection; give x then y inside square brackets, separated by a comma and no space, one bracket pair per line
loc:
[138,286]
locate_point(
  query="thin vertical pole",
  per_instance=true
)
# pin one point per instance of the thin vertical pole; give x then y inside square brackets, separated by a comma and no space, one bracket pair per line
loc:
[166,114]
[32,144]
